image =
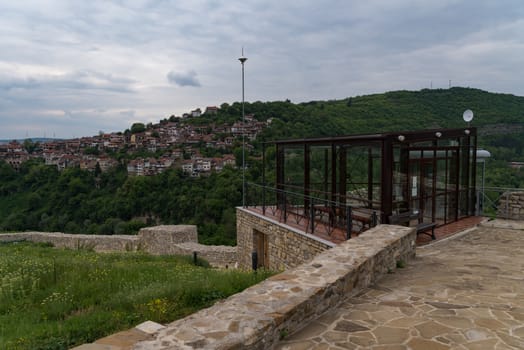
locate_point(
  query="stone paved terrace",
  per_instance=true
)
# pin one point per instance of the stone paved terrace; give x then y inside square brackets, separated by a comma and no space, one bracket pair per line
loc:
[466,292]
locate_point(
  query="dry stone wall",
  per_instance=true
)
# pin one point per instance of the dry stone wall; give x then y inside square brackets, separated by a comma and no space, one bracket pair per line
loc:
[99,243]
[259,316]
[163,239]
[286,246]
[511,206]
[158,240]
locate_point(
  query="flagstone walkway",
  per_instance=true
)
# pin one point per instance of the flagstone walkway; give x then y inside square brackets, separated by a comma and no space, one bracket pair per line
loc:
[463,293]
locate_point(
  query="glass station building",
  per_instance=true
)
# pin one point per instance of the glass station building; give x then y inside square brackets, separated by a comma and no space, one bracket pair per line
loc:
[428,172]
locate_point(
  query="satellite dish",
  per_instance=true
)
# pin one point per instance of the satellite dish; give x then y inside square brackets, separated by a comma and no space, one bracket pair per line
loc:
[467,115]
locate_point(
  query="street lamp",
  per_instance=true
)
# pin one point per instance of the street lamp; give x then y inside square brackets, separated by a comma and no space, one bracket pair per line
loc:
[243,59]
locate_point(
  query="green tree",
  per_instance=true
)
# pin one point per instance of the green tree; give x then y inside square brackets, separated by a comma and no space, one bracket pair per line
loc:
[137,128]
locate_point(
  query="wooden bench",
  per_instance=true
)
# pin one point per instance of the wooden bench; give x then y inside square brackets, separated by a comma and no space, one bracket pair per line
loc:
[366,217]
[405,219]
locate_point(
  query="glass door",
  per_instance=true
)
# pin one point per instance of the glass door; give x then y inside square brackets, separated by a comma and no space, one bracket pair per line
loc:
[422,189]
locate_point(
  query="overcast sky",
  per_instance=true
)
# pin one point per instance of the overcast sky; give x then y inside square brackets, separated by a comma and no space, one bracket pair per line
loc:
[73,68]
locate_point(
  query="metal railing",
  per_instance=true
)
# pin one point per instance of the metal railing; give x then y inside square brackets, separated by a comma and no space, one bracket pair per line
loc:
[494,201]
[317,215]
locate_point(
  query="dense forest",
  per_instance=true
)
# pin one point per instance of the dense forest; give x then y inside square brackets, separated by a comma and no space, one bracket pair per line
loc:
[39,197]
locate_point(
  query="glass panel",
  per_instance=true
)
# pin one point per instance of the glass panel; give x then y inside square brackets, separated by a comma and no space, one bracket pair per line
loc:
[426,191]
[400,180]
[440,190]
[320,172]
[414,185]
[363,176]
[294,169]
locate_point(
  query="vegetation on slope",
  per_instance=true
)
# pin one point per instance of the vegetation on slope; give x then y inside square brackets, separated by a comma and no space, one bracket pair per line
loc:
[53,299]
[41,198]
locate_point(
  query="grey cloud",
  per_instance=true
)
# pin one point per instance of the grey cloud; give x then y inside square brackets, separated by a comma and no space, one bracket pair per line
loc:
[183,79]
[78,80]
[80,56]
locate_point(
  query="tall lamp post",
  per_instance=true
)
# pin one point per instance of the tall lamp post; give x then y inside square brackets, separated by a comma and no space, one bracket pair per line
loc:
[243,59]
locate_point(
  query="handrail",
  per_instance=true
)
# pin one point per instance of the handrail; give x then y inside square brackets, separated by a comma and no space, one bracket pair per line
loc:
[328,194]
[489,201]
[314,212]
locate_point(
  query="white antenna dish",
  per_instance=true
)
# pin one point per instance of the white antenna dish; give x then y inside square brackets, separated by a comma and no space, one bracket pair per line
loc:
[467,115]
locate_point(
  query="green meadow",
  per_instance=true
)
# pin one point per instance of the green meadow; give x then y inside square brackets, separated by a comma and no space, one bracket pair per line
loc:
[58,298]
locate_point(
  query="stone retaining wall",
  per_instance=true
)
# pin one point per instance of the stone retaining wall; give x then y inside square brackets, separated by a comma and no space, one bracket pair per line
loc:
[511,206]
[217,255]
[286,247]
[282,304]
[158,240]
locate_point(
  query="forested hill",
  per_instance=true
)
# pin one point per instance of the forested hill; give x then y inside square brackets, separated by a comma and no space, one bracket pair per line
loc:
[391,111]
[39,197]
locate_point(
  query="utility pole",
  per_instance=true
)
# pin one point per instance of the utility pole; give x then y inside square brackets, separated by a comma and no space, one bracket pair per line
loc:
[242,60]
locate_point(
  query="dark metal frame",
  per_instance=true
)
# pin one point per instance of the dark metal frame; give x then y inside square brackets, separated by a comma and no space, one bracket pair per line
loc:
[464,141]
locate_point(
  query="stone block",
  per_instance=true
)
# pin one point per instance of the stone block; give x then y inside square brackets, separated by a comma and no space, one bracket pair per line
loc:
[163,239]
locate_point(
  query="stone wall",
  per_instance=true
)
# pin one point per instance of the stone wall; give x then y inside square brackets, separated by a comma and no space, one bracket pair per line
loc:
[286,246]
[511,206]
[163,239]
[158,240]
[260,315]
[217,255]
[99,243]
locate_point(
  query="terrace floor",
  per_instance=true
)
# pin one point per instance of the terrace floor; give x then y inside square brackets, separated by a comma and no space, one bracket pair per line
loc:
[337,235]
[463,293]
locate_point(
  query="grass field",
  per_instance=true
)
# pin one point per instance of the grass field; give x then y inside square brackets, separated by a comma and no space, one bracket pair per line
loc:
[57,298]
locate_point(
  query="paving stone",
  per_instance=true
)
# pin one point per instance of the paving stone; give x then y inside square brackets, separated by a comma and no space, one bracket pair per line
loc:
[443,312]
[364,339]
[512,341]
[482,344]
[431,329]
[302,345]
[516,315]
[335,337]
[390,347]
[345,345]
[456,338]
[518,332]
[309,330]
[405,322]
[396,303]
[489,323]
[124,339]
[347,326]
[476,334]
[150,327]
[356,315]
[446,305]
[390,335]
[455,322]
[386,315]
[320,347]
[423,344]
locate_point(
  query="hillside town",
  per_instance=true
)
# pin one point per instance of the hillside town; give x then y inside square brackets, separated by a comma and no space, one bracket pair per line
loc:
[171,143]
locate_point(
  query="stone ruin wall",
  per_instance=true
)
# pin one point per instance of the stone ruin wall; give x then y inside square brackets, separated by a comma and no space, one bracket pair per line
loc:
[511,206]
[158,240]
